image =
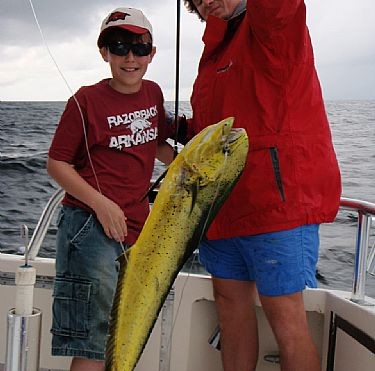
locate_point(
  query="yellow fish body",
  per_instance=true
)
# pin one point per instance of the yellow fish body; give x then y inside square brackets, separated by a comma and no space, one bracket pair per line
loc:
[197,183]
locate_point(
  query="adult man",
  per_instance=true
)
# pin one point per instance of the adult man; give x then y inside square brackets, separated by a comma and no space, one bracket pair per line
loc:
[258,66]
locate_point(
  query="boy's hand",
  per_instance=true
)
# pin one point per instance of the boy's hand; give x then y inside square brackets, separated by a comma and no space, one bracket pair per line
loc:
[109,214]
[112,219]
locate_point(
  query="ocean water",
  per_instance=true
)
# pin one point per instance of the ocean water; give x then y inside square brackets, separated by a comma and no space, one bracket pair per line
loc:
[26,129]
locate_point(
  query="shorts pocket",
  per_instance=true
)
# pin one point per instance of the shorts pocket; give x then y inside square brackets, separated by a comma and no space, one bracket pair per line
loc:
[86,223]
[71,307]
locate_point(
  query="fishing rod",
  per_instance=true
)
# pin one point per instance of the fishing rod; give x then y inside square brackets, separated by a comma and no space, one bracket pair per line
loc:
[176,100]
[177,75]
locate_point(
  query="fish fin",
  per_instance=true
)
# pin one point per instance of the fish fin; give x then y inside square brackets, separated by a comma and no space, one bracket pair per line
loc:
[194,195]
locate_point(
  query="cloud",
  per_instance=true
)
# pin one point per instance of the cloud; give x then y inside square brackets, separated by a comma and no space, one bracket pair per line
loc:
[344,47]
[342,34]
[70,29]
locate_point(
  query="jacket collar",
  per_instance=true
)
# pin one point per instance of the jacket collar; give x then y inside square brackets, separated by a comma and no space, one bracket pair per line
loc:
[216,28]
[241,7]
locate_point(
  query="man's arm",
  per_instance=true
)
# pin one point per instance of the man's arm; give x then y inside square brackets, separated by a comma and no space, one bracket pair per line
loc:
[272,13]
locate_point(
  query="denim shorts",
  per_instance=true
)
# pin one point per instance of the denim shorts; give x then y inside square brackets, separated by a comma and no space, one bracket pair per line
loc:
[280,263]
[85,283]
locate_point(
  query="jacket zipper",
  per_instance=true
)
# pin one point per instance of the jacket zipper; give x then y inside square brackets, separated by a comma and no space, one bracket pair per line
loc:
[276,169]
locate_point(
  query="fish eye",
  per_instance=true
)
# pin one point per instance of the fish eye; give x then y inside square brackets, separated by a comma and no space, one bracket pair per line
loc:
[226,148]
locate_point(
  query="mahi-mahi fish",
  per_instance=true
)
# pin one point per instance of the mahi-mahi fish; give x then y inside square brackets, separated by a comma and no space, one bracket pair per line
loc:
[197,183]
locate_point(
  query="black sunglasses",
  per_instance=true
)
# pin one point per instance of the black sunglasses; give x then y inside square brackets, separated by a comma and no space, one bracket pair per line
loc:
[122,49]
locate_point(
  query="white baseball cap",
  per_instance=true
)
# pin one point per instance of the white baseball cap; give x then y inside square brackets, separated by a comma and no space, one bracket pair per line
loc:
[126,18]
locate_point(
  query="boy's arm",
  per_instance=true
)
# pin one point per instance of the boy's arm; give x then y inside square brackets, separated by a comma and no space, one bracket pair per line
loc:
[165,153]
[108,213]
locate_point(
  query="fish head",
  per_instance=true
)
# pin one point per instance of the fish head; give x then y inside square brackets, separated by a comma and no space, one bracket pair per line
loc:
[206,155]
[237,143]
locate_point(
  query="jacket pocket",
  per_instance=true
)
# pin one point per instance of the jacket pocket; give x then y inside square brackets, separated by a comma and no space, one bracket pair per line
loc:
[264,188]
[70,308]
[276,170]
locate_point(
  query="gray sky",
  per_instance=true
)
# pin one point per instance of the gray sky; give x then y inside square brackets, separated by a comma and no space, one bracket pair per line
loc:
[342,32]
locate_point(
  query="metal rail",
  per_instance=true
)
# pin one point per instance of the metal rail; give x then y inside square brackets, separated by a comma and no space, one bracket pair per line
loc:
[44,223]
[363,261]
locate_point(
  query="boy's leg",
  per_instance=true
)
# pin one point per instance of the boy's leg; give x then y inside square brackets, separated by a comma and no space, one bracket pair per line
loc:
[287,317]
[238,324]
[85,283]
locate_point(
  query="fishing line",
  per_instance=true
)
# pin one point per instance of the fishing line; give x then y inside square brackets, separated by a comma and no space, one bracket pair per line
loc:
[79,109]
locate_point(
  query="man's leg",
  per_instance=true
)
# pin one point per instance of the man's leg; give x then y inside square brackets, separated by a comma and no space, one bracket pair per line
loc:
[82,364]
[238,324]
[287,317]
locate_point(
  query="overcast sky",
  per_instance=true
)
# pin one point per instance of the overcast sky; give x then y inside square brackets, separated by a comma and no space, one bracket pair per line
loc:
[343,34]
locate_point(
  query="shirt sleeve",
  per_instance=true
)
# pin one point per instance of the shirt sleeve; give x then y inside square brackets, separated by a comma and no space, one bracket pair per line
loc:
[280,28]
[165,126]
[68,141]
[272,14]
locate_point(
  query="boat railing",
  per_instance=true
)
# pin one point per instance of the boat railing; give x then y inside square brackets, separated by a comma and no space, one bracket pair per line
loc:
[44,223]
[364,261]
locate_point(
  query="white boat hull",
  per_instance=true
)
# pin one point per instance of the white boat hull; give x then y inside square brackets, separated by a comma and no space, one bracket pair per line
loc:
[194,321]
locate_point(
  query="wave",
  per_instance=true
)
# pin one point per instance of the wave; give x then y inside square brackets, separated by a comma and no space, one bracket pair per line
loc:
[31,163]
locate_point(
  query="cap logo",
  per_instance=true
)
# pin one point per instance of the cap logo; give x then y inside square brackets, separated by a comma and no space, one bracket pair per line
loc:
[116,16]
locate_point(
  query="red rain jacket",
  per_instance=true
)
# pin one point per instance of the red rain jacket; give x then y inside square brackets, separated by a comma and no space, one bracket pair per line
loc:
[259,68]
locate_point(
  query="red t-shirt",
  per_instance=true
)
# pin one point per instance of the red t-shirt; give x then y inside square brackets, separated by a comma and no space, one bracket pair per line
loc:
[122,132]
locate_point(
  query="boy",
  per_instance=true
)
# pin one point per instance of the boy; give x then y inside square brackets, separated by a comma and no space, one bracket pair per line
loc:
[103,155]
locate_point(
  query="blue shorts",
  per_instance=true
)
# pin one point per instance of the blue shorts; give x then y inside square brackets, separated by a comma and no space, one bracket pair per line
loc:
[86,278]
[280,263]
